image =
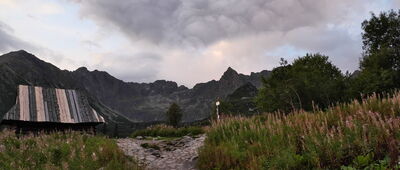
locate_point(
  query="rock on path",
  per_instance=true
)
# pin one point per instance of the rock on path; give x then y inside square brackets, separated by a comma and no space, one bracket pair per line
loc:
[179,154]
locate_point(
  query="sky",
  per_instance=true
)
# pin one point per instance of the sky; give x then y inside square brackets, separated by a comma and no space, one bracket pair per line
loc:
[187,41]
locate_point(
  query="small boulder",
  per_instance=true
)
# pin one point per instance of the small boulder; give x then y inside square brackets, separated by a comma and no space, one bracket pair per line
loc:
[156,154]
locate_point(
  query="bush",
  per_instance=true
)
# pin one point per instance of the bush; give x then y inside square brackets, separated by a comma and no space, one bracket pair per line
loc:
[70,150]
[168,131]
[359,135]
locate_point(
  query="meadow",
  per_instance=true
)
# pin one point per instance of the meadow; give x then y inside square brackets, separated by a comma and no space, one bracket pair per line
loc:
[357,135]
[69,150]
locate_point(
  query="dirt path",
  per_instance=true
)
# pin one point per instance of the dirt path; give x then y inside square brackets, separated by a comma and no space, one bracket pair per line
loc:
[179,154]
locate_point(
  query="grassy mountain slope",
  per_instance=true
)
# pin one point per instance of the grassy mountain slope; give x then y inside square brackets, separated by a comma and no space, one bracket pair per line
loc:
[360,134]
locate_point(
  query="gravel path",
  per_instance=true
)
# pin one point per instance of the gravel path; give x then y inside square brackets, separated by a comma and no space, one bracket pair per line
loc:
[179,154]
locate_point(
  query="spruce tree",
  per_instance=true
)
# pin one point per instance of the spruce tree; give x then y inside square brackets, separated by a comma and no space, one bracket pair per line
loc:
[174,115]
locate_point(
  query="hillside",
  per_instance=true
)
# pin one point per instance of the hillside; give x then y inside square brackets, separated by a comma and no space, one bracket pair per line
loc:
[130,105]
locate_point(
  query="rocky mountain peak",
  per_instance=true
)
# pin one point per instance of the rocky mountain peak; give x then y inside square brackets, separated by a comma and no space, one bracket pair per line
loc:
[20,55]
[163,84]
[82,69]
[17,53]
[229,74]
[20,52]
[166,87]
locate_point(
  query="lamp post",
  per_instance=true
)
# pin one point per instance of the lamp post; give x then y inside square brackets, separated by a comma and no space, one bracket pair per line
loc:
[217,104]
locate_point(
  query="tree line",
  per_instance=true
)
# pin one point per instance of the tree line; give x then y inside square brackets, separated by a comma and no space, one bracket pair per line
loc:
[313,82]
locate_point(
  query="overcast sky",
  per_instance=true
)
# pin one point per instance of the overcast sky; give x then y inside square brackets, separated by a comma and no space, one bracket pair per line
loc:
[187,41]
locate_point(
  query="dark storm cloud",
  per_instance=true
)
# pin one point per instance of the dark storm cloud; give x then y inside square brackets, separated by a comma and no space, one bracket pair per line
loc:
[202,22]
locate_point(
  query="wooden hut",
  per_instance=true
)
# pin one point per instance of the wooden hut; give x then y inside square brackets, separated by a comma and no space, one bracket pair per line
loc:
[50,109]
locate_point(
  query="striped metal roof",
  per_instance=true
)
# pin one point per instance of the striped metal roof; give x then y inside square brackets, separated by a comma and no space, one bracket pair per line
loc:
[37,104]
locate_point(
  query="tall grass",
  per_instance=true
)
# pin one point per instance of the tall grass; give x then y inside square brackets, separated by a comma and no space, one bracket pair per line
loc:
[362,134]
[168,131]
[70,150]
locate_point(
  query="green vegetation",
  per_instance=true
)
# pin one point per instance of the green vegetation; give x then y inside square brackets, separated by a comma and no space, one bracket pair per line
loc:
[361,134]
[380,64]
[168,131]
[316,117]
[174,115]
[312,81]
[70,150]
[240,102]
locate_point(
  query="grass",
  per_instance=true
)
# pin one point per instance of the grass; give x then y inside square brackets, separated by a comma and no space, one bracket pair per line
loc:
[361,135]
[168,131]
[70,150]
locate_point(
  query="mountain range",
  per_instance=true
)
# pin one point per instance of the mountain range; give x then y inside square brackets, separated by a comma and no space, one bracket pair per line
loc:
[120,102]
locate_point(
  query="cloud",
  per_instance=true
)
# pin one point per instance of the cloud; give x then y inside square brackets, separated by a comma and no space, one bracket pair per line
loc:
[10,42]
[48,9]
[138,67]
[204,37]
[203,22]
[37,7]
[343,48]
[90,44]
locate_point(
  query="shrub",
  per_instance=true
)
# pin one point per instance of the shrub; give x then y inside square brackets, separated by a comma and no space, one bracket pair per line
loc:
[358,134]
[168,131]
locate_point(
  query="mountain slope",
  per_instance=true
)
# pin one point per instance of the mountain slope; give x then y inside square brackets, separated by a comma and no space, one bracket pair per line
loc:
[149,101]
[21,67]
[138,102]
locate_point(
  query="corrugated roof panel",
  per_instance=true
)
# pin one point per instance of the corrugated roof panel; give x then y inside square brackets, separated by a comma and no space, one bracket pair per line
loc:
[39,104]
[24,103]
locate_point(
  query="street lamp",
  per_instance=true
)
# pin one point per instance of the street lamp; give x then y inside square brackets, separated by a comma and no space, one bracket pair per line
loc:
[217,104]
